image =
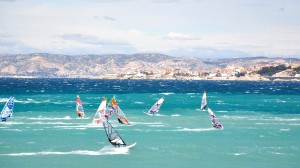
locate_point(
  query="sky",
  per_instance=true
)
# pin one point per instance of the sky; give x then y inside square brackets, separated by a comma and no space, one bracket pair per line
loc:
[196,28]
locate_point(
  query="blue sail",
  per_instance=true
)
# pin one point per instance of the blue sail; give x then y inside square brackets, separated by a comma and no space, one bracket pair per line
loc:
[7,110]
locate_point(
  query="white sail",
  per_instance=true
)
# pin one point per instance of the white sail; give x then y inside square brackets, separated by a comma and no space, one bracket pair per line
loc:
[204,101]
[79,107]
[214,119]
[7,110]
[155,108]
[98,117]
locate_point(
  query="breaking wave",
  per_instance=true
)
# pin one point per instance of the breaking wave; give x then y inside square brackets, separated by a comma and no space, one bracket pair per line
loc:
[107,150]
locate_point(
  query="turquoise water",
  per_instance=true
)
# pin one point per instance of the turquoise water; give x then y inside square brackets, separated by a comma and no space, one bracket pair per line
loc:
[261,124]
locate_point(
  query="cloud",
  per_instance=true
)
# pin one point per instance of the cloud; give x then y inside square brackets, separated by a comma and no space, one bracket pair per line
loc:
[89,39]
[166,1]
[8,0]
[281,9]
[107,1]
[179,36]
[257,5]
[207,52]
[109,18]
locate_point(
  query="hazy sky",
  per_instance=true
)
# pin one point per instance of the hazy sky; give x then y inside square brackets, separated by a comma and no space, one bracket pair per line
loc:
[202,28]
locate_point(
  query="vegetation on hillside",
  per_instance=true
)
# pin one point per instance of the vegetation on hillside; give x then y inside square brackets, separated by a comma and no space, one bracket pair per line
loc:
[269,71]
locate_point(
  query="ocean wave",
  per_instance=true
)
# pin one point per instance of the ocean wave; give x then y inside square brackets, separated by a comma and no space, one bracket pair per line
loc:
[80,127]
[195,129]
[269,123]
[284,129]
[155,114]
[222,111]
[11,123]
[48,118]
[235,117]
[156,125]
[167,93]
[238,154]
[175,115]
[137,102]
[147,123]
[278,153]
[107,150]
[17,130]
[51,123]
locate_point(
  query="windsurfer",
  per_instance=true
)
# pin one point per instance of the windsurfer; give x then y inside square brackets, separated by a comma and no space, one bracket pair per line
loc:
[120,121]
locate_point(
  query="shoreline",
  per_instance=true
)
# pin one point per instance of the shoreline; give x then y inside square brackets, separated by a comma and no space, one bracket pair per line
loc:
[264,79]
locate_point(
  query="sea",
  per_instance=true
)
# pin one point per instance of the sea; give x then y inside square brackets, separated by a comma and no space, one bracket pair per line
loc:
[261,122]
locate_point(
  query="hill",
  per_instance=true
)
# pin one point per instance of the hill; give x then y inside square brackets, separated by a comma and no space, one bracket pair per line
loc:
[56,65]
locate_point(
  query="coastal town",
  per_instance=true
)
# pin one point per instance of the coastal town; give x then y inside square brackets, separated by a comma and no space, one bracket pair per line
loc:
[289,72]
[148,66]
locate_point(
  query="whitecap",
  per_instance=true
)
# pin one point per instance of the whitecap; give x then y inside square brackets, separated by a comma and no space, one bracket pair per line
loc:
[222,111]
[48,118]
[238,154]
[286,129]
[168,93]
[156,125]
[195,129]
[175,115]
[107,150]
[278,153]
[137,102]
[147,123]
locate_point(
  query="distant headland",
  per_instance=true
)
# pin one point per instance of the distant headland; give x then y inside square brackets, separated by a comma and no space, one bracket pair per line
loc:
[147,66]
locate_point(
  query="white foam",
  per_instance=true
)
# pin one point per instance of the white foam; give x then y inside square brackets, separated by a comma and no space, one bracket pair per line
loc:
[156,125]
[238,154]
[195,129]
[278,153]
[175,115]
[168,93]
[160,115]
[107,150]
[155,114]
[48,118]
[283,130]
[137,102]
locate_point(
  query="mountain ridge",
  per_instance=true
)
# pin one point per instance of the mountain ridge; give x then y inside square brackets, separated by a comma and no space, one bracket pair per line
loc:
[93,65]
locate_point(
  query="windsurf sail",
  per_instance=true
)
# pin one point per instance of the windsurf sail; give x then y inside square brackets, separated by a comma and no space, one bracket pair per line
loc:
[111,108]
[113,137]
[98,117]
[79,107]
[7,110]
[204,101]
[155,108]
[121,116]
[214,119]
